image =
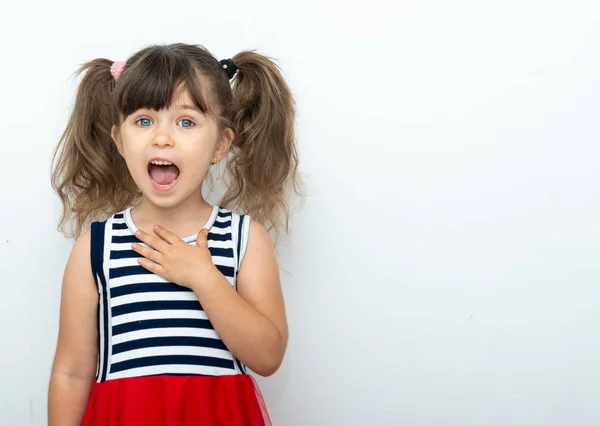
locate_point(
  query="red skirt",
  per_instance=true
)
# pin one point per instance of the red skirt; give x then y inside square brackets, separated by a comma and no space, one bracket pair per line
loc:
[177,401]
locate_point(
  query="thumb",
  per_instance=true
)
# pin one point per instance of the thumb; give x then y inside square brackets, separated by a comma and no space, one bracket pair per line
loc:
[201,239]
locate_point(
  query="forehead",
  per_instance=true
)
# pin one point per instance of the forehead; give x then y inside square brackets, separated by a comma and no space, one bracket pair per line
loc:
[203,99]
[182,97]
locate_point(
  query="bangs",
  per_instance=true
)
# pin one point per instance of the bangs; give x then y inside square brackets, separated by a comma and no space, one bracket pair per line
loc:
[155,79]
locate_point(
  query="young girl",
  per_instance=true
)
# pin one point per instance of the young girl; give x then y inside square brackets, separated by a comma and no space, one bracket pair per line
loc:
[167,299]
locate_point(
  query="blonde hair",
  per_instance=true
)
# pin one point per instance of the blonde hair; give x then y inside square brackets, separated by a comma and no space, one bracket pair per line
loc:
[92,179]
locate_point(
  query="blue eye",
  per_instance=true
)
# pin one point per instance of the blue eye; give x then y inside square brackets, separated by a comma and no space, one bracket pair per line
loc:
[187,123]
[144,122]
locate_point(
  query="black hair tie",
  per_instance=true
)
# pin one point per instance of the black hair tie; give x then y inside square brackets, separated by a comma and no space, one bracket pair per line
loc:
[230,67]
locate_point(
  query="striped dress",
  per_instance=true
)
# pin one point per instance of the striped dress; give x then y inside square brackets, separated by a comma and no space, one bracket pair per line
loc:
[160,361]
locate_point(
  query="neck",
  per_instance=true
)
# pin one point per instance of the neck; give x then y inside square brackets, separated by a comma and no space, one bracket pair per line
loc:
[183,219]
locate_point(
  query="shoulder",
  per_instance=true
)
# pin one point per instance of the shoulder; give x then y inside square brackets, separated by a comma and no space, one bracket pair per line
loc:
[257,234]
[245,224]
[248,235]
[79,266]
[259,249]
[82,244]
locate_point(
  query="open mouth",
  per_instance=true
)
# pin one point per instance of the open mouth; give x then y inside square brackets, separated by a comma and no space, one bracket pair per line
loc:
[163,173]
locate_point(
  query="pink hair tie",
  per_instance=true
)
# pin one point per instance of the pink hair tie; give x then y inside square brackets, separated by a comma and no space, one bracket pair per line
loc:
[117,68]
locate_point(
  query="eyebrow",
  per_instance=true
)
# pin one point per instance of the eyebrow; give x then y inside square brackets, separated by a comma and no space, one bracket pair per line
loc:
[192,107]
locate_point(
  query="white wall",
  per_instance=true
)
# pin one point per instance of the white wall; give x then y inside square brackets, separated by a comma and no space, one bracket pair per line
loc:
[444,269]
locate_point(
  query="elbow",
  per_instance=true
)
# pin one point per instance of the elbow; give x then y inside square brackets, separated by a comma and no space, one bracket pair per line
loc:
[267,367]
[270,361]
[266,373]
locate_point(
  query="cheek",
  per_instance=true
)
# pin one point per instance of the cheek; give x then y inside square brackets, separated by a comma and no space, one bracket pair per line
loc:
[199,159]
[201,150]
[131,146]
[133,156]
[196,162]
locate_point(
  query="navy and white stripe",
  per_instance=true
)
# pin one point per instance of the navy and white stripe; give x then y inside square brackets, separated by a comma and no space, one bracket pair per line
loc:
[149,326]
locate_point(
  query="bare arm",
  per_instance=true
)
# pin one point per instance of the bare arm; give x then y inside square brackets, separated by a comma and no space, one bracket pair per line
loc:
[252,321]
[74,367]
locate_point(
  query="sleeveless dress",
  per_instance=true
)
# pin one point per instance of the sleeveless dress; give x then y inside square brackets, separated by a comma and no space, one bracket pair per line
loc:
[160,361]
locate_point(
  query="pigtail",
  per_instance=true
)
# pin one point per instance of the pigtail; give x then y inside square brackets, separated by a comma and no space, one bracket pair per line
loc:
[264,162]
[89,175]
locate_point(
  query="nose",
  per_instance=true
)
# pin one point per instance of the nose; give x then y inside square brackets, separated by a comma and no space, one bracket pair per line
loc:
[162,139]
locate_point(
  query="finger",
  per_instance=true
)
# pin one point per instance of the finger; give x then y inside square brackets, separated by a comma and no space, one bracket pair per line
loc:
[150,266]
[154,242]
[202,238]
[167,235]
[148,253]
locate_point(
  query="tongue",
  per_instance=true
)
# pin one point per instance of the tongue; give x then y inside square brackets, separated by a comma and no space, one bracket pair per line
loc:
[164,175]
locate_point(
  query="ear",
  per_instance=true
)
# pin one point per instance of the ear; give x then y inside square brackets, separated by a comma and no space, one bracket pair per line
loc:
[224,143]
[114,133]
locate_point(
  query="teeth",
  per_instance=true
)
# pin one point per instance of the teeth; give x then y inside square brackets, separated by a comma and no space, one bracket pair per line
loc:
[161,163]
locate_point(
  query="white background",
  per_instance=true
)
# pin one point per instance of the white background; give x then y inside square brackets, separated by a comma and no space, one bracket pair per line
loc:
[444,267]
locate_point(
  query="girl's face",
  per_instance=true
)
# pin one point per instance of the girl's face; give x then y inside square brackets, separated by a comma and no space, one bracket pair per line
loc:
[168,152]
